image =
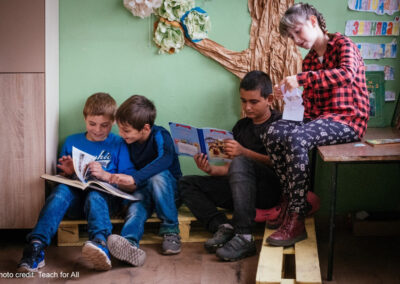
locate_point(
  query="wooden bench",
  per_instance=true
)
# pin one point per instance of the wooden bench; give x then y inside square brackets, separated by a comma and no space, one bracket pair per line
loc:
[70,233]
[356,154]
[295,264]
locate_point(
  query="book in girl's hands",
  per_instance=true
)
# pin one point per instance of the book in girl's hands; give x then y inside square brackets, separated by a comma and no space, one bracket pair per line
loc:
[383,141]
[189,141]
[81,160]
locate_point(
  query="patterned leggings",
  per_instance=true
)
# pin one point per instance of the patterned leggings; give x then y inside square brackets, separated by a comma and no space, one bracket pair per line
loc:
[288,144]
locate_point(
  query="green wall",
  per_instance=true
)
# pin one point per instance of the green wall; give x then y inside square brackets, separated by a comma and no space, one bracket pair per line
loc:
[104,48]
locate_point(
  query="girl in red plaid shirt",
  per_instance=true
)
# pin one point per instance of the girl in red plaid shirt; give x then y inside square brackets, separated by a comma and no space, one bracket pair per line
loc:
[336,110]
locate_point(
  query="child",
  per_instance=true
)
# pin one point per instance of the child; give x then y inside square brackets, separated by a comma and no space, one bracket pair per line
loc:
[336,111]
[241,185]
[112,155]
[154,182]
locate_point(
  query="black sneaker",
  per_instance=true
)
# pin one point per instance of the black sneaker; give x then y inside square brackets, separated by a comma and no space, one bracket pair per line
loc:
[221,237]
[32,258]
[237,248]
[171,244]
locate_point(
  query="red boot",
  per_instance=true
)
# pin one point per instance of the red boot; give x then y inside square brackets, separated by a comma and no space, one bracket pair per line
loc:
[292,231]
[274,224]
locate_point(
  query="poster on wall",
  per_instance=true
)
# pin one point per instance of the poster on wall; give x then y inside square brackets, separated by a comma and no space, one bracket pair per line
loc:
[380,7]
[378,50]
[376,92]
[372,28]
[387,70]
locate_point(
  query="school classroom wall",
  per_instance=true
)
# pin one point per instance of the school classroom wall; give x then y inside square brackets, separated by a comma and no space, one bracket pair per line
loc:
[104,48]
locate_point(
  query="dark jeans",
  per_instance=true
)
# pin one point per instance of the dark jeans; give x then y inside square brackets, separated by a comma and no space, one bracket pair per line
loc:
[249,185]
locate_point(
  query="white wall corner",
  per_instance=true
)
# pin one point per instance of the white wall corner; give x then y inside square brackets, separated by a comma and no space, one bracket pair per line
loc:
[52,82]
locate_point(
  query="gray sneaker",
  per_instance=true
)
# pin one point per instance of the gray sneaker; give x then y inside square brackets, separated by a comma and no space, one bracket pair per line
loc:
[122,249]
[171,244]
[221,237]
[237,248]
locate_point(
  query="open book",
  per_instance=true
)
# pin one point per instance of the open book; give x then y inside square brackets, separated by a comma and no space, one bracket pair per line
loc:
[81,160]
[383,141]
[189,141]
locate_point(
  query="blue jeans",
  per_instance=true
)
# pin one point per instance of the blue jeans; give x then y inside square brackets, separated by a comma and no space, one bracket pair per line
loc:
[156,194]
[75,203]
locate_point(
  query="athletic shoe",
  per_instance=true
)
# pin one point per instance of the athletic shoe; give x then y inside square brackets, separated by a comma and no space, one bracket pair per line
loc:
[123,250]
[171,244]
[237,248]
[221,237]
[96,253]
[32,258]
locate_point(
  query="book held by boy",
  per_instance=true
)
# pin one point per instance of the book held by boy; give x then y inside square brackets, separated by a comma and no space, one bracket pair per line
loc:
[81,160]
[189,141]
[383,141]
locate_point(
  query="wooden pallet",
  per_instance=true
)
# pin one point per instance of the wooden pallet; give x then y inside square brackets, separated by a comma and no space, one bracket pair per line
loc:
[295,264]
[70,232]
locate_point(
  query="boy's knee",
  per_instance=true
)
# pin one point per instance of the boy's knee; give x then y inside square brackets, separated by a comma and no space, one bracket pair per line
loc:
[239,164]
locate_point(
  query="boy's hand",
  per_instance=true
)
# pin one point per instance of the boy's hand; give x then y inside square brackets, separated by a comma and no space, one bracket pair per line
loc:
[233,148]
[97,171]
[202,163]
[124,181]
[66,165]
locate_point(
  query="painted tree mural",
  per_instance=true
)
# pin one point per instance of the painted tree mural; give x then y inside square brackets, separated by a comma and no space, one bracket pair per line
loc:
[268,51]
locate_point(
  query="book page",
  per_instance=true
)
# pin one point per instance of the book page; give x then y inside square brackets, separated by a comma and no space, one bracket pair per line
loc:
[214,141]
[81,160]
[186,139]
[108,188]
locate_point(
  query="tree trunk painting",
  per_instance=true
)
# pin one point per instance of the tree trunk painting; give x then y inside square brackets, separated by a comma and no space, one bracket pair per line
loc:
[268,51]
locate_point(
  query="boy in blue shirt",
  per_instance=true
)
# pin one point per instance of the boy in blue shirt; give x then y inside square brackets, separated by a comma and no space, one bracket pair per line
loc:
[112,155]
[154,181]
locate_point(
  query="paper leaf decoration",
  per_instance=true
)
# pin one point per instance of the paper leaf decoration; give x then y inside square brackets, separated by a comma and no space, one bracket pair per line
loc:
[173,10]
[196,24]
[168,36]
[142,8]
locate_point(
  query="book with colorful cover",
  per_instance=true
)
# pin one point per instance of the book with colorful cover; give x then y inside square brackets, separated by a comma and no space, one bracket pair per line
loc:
[383,141]
[190,140]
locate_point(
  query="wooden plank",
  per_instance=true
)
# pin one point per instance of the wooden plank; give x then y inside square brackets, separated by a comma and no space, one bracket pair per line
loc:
[22,151]
[270,261]
[306,254]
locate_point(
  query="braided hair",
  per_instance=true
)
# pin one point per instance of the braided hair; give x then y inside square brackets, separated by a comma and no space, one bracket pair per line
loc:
[297,14]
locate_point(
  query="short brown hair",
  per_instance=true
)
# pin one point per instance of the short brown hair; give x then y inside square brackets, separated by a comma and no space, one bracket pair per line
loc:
[137,111]
[100,104]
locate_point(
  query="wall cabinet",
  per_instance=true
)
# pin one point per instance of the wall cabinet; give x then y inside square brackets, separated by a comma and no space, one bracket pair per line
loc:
[22,111]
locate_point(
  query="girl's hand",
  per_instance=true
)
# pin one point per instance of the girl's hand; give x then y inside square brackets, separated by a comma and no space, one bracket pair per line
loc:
[233,148]
[278,95]
[202,163]
[66,164]
[97,171]
[290,83]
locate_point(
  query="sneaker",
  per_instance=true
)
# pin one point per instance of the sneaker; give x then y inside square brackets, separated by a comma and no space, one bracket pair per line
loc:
[32,258]
[171,244]
[123,250]
[96,253]
[221,237]
[237,248]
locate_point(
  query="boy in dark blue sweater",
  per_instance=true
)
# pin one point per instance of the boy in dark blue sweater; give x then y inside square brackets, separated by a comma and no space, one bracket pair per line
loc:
[154,182]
